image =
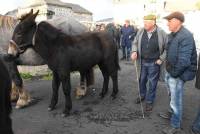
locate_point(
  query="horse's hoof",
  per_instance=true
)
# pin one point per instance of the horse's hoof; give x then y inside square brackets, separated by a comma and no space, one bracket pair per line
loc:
[50,108]
[101,95]
[113,96]
[22,103]
[18,107]
[65,114]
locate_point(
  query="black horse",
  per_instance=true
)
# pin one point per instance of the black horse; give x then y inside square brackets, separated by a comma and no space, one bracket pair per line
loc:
[64,53]
[5,105]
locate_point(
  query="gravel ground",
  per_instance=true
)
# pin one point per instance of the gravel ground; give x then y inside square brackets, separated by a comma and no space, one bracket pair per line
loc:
[92,115]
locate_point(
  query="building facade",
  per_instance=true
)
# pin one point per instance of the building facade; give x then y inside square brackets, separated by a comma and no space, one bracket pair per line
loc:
[53,8]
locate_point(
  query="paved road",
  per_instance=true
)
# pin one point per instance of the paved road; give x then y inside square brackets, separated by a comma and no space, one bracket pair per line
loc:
[92,115]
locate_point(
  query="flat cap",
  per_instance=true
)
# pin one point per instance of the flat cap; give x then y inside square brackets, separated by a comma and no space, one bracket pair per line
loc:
[150,17]
[177,15]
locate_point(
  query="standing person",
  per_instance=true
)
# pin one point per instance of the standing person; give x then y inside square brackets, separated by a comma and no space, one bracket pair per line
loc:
[181,66]
[148,49]
[195,129]
[128,34]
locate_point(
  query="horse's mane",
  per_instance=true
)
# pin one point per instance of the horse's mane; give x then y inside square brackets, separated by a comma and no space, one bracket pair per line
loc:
[7,22]
[51,31]
[54,33]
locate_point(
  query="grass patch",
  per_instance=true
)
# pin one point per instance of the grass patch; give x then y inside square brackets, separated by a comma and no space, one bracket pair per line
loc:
[26,76]
[48,76]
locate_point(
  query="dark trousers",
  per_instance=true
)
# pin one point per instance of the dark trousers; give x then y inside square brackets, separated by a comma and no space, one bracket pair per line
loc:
[149,73]
[126,50]
[196,123]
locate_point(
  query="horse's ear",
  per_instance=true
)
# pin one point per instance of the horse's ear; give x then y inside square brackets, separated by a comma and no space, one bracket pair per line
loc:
[31,12]
[35,14]
[24,16]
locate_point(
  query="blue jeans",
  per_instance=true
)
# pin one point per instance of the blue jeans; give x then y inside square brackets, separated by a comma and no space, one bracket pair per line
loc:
[150,73]
[126,49]
[176,99]
[196,123]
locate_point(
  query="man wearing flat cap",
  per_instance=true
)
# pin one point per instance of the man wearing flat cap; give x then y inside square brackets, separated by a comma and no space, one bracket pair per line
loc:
[181,66]
[148,50]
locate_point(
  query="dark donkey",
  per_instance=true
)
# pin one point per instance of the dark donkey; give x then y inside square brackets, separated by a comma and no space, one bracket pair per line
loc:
[30,58]
[5,106]
[64,53]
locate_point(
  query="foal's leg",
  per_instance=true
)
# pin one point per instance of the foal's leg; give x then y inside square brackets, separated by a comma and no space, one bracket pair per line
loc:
[90,77]
[105,81]
[114,77]
[82,78]
[66,85]
[55,87]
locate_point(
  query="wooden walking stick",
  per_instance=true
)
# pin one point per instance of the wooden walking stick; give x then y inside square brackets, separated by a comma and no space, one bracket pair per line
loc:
[138,85]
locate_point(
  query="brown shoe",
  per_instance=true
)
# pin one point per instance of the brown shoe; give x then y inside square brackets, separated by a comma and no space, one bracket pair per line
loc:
[149,107]
[139,100]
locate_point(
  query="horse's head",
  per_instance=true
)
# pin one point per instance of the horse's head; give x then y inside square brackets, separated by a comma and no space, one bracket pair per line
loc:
[23,34]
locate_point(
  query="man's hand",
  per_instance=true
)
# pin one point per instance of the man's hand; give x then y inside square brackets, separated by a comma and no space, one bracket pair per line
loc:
[134,56]
[159,62]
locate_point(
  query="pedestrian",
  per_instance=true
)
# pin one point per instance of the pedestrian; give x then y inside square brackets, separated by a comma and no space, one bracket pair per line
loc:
[148,49]
[195,129]
[128,35]
[181,66]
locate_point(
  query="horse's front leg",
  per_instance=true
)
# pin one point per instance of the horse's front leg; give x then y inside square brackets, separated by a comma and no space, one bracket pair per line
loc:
[66,85]
[55,87]
[18,93]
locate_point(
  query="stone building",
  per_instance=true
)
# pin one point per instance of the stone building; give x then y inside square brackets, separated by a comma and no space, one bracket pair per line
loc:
[53,8]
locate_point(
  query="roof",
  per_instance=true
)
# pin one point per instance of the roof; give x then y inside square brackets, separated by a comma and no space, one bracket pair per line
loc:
[106,20]
[75,7]
[11,13]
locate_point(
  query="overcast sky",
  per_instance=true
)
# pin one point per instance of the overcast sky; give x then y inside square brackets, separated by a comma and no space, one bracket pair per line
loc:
[100,8]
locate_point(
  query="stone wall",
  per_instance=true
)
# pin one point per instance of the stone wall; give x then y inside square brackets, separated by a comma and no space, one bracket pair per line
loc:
[34,70]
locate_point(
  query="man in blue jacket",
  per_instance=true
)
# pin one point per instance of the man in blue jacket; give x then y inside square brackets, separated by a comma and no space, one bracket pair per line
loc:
[181,66]
[128,35]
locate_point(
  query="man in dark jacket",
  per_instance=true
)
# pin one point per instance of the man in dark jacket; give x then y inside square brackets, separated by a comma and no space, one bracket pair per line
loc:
[196,124]
[128,35]
[181,66]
